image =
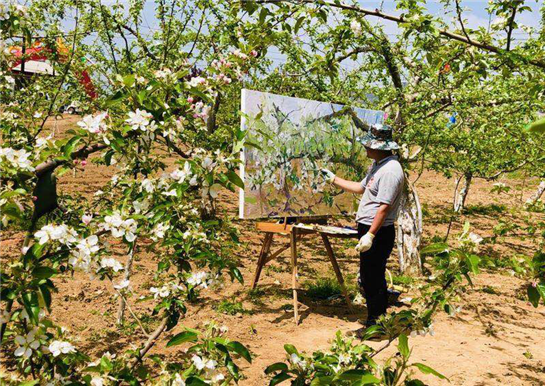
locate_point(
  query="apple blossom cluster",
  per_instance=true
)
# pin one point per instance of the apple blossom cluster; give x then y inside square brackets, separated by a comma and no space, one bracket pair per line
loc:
[94,124]
[61,233]
[81,256]
[17,159]
[166,290]
[200,279]
[141,120]
[355,26]
[208,368]
[120,226]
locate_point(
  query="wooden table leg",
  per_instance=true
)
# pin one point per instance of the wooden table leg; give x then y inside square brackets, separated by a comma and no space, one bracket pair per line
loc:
[261,261]
[293,241]
[337,270]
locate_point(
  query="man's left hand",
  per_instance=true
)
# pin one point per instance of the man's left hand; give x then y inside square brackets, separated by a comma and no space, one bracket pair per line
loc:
[365,243]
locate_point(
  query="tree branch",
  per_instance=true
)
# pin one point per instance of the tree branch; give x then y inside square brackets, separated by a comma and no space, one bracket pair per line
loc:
[400,19]
[81,153]
[511,27]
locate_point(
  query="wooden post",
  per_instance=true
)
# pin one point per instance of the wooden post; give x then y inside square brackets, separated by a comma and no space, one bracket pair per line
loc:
[337,270]
[262,260]
[293,240]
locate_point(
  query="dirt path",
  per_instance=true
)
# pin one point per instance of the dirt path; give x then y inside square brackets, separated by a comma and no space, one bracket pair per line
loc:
[497,339]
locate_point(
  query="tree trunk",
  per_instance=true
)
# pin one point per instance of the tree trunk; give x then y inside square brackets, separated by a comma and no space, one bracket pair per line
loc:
[409,231]
[537,194]
[127,276]
[461,191]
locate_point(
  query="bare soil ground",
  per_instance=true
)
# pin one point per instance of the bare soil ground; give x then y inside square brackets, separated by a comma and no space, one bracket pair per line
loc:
[497,339]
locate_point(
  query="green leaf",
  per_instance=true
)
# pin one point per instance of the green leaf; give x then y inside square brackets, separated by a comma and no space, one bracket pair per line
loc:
[182,337]
[290,349]
[128,80]
[278,366]
[69,147]
[235,179]
[361,376]
[240,349]
[237,274]
[428,370]
[403,346]
[279,378]
[232,367]
[537,126]
[434,249]
[474,261]
[195,381]
[43,272]
[106,364]
[533,295]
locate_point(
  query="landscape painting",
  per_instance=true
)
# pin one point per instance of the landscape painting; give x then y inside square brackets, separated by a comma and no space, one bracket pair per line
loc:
[289,140]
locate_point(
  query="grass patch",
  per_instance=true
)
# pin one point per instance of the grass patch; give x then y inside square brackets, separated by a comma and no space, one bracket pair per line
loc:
[255,295]
[231,308]
[322,288]
[402,280]
[485,210]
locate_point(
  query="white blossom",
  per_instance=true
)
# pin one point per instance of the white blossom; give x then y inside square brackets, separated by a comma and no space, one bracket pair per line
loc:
[140,120]
[208,164]
[112,263]
[120,227]
[61,233]
[475,238]
[86,219]
[355,26]
[196,81]
[198,279]
[26,344]
[122,284]
[147,185]
[94,124]
[181,174]
[163,74]
[178,381]
[163,291]
[59,347]
[159,231]
[16,158]
[198,362]
[97,381]
[140,206]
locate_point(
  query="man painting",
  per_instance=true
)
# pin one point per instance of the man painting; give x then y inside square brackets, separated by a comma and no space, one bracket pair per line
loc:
[382,188]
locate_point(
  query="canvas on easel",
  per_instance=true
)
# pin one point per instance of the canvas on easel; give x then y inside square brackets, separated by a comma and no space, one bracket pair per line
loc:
[289,141]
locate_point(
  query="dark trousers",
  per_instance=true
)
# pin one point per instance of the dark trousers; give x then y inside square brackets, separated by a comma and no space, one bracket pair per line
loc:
[373,269]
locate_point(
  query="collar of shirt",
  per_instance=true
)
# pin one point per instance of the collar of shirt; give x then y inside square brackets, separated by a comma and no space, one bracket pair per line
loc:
[384,160]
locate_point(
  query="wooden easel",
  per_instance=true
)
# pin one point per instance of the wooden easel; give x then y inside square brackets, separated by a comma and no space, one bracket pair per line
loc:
[296,234]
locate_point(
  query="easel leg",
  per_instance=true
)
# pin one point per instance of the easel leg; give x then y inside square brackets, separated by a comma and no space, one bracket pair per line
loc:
[262,257]
[293,242]
[337,270]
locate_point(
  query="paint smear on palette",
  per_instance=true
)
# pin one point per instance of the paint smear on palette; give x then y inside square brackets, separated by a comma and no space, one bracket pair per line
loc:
[288,141]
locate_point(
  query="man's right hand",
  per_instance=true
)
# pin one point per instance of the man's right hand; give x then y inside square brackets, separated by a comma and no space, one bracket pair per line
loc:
[329,175]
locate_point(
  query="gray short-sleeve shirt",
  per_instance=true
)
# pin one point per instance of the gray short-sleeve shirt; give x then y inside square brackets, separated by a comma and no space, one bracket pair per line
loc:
[383,184]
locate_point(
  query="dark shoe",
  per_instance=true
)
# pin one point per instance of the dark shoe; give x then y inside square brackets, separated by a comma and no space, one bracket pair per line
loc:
[393,297]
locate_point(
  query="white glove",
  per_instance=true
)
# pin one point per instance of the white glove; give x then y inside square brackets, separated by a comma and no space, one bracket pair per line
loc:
[365,243]
[329,175]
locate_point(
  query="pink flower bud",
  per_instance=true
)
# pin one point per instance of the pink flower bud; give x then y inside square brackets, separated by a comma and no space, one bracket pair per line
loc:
[534,284]
[83,163]
[34,198]
[190,99]
[253,53]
